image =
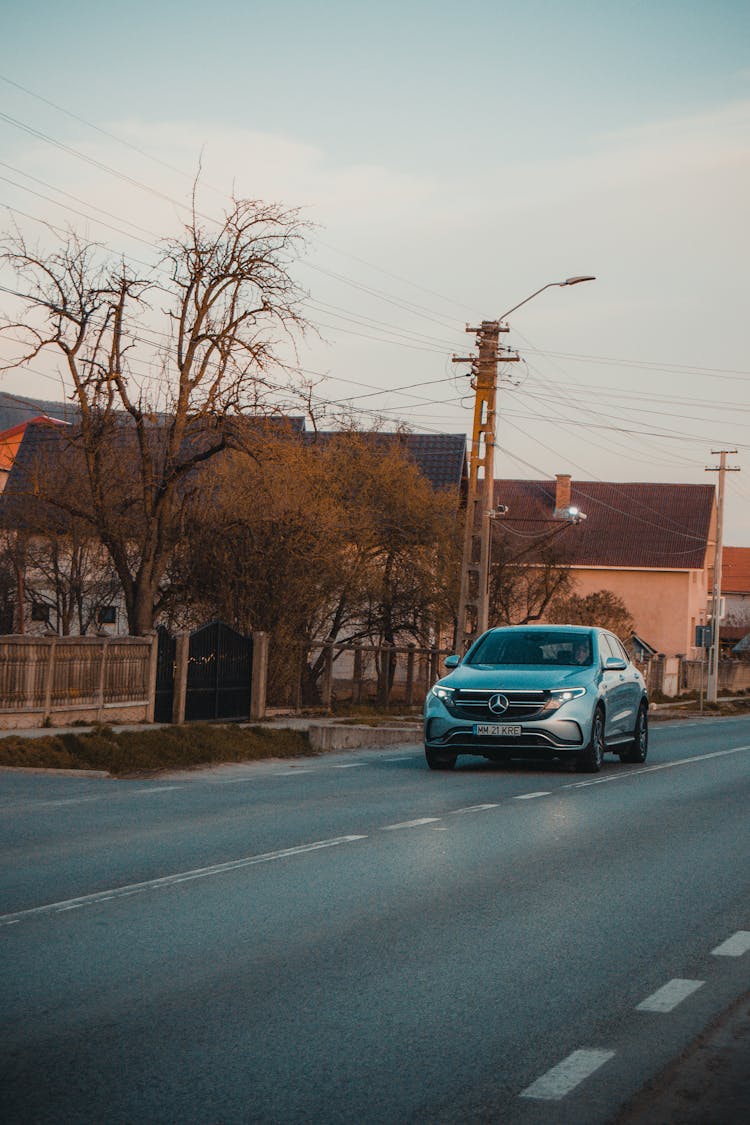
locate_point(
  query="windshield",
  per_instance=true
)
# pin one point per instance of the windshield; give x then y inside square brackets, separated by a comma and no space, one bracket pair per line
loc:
[527,646]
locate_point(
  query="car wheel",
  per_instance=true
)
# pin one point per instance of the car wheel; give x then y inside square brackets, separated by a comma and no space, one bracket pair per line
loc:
[592,757]
[637,750]
[438,761]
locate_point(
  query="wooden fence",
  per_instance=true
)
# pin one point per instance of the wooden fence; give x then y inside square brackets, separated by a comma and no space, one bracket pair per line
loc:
[324,675]
[76,679]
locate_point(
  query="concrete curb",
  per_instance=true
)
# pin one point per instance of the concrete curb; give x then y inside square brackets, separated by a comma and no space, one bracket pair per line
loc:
[329,737]
[54,772]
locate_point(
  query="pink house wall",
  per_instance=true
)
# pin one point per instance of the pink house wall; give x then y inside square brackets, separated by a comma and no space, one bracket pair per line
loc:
[665,605]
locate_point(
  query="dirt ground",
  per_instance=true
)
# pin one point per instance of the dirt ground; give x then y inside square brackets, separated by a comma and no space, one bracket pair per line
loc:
[708,1085]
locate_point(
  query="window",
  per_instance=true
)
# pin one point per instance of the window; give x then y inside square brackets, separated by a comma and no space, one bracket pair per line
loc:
[107,615]
[40,612]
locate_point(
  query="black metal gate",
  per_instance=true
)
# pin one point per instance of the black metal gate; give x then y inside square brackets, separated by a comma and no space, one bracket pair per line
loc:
[219,678]
[165,654]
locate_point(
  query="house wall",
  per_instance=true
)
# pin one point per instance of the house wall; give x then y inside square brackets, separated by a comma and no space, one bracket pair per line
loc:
[737,609]
[665,605]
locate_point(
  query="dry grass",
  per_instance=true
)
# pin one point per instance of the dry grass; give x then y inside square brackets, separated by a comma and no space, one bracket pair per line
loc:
[127,752]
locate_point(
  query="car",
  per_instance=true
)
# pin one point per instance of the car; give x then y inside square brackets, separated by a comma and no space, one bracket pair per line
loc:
[569,692]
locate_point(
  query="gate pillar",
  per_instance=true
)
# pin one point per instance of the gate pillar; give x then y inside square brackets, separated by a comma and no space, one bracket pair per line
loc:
[182,652]
[260,676]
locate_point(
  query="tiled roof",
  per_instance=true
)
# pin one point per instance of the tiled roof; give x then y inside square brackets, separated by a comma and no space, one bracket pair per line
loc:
[10,440]
[653,526]
[735,570]
[439,457]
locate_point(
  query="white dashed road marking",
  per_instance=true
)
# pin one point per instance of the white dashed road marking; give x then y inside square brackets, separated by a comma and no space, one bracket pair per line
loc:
[348,765]
[568,1074]
[473,808]
[172,880]
[411,823]
[667,998]
[530,796]
[734,946]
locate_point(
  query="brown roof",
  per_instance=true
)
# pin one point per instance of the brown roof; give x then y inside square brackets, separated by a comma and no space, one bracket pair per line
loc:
[654,526]
[735,570]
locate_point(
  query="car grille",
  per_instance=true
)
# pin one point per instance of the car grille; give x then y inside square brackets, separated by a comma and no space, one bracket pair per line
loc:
[475,705]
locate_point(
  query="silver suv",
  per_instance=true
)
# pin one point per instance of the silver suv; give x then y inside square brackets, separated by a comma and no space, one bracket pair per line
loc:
[562,691]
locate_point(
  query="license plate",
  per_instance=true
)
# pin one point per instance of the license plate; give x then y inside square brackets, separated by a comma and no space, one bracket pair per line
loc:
[497,730]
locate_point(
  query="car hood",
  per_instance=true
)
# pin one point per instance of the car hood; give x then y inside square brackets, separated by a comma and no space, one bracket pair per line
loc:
[475,677]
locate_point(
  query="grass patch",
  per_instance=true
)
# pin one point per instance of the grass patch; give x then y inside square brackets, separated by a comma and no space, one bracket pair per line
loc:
[125,752]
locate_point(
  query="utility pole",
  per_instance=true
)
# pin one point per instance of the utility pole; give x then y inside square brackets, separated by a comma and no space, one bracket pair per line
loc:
[712,688]
[473,606]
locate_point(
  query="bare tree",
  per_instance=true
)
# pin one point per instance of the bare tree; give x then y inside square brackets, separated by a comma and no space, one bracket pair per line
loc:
[524,582]
[603,608]
[205,325]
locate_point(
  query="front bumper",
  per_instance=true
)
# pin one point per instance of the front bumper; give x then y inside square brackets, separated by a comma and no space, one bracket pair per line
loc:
[554,734]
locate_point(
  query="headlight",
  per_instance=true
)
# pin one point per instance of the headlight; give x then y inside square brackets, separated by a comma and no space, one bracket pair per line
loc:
[559,696]
[562,695]
[444,694]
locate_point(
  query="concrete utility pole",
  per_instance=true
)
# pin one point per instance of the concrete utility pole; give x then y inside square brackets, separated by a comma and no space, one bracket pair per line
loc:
[712,688]
[473,606]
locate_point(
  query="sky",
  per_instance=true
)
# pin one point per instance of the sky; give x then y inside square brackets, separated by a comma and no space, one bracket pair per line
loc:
[452,159]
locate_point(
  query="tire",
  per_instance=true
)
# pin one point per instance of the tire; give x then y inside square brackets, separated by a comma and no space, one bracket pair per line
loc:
[592,757]
[439,761]
[637,749]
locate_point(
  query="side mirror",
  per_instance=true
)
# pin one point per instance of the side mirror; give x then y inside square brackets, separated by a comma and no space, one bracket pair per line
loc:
[614,664]
[452,661]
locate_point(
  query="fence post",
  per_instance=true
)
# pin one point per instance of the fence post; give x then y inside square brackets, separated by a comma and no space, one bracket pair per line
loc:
[153,663]
[259,683]
[179,697]
[409,690]
[327,692]
[357,674]
[434,661]
[102,680]
[49,678]
[386,655]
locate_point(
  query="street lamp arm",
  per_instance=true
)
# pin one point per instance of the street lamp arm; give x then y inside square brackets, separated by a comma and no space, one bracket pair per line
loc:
[549,285]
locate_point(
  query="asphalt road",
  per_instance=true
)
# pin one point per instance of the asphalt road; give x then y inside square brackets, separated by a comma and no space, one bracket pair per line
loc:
[356,939]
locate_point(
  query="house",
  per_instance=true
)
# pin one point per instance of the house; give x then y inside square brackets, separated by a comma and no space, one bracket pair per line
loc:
[41,460]
[650,544]
[735,585]
[735,590]
[10,442]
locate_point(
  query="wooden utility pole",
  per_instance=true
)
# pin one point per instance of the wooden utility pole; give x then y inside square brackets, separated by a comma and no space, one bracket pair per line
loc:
[473,606]
[712,688]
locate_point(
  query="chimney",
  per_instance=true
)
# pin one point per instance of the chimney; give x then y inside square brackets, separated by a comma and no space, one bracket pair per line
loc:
[562,491]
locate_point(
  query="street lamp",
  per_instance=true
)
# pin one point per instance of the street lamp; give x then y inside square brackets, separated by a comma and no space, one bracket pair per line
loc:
[550,285]
[473,607]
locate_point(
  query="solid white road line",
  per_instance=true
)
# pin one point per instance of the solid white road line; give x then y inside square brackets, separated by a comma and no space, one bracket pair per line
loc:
[625,774]
[669,996]
[568,1074]
[411,823]
[172,880]
[734,946]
